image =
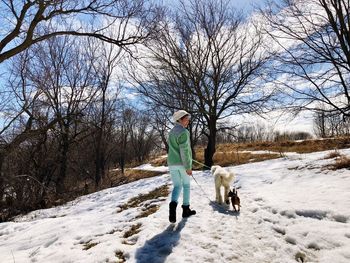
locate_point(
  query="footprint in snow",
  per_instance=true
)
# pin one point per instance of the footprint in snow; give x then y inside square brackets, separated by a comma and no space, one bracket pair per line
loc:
[322,215]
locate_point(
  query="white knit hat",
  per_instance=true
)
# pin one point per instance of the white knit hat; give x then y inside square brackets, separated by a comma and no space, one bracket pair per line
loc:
[179,114]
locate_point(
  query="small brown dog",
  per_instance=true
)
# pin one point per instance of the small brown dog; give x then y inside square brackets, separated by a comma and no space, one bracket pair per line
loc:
[235,199]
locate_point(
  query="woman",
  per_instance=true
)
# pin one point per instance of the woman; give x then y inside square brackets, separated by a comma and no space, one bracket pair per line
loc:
[180,164]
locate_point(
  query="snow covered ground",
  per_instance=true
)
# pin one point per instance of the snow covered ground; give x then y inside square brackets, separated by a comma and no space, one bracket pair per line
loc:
[293,209]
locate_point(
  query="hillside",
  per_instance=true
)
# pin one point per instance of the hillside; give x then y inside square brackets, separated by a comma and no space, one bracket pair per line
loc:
[294,209]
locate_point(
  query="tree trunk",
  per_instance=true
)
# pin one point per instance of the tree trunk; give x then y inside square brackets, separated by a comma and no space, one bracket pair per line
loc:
[60,188]
[2,186]
[211,146]
[98,165]
[165,142]
[99,161]
[99,158]
[122,163]
[192,145]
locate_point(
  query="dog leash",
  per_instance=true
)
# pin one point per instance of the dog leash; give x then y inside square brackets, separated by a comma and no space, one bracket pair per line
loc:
[201,189]
[198,183]
[201,164]
[205,194]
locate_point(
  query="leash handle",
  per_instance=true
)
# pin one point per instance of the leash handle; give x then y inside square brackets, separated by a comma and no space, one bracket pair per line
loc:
[201,163]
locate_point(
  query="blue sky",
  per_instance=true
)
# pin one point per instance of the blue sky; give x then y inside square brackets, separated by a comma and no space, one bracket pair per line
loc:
[245,5]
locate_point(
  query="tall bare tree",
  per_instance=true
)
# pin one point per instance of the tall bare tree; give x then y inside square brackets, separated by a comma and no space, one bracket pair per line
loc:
[106,58]
[25,23]
[141,135]
[21,108]
[62,73]
[208,59]
[159,119]
[313,39]
[330,125]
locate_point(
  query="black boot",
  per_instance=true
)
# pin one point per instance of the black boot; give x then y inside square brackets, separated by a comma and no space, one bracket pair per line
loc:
[172,211]
[186,212]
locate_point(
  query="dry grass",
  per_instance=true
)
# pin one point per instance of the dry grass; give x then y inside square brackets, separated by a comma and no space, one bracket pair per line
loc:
[160,161]
[148,211]
[133,230]
[115,177]
[136,201]
[134,174]
[333,154]
[306,146]
[343,162]
[89,245]
[231,153]
[120,255]
[225,158]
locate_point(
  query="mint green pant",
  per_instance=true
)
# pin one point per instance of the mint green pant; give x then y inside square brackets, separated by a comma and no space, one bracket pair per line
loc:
[180,180]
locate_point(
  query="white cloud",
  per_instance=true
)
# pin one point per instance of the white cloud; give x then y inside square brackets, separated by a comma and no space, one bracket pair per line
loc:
[278,120]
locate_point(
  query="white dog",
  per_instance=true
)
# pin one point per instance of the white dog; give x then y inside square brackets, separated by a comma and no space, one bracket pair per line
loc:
[223,178]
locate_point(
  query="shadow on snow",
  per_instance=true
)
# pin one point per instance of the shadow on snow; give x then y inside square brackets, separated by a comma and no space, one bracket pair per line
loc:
[223,209]
[159,247]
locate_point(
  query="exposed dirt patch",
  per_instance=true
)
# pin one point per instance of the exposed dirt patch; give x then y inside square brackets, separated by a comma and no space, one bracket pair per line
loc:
[162,191]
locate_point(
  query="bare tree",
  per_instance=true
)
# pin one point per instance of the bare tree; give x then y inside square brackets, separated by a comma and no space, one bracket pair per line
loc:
[23,115]
[320,124]
[330,124]
[123,135]
[210,61]
[61,71]
[253,133]
[141,135]
[314,56]
[106,58]
[161,123]
[28,22]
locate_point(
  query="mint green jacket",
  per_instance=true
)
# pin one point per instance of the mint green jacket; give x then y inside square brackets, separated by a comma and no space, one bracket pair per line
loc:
[179,143]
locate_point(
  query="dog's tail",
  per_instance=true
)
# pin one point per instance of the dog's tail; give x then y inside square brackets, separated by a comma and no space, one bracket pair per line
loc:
[231,175]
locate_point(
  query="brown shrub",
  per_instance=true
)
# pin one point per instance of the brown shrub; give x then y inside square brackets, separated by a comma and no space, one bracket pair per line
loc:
[115,177]
[341,163]
[160,161]
[333,154]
